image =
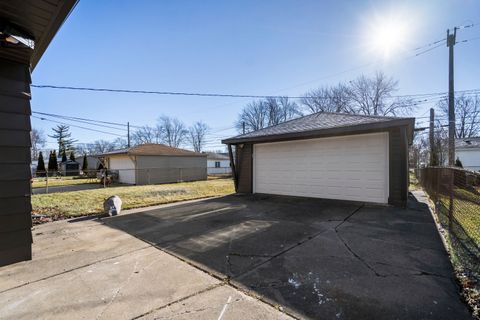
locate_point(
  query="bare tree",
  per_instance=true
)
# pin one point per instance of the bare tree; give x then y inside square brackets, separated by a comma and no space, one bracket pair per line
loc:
[467,115]
[196,135]
[146,134]
[38,142]
[327,99]
[253,116]
[259,114]
[280,110]
[120,143]
[173,131]
[373,96]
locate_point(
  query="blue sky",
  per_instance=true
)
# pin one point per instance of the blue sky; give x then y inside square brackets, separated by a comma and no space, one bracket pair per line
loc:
[244,47]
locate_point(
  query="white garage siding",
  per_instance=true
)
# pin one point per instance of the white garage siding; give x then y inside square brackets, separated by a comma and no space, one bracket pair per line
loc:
[125,167]
[349,168]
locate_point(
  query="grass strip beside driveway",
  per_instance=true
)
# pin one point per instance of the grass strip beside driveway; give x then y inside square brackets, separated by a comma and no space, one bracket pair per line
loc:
[87,202]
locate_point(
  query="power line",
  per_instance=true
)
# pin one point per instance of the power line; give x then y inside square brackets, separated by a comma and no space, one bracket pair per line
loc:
[199,94]
[80,127]
[83,119]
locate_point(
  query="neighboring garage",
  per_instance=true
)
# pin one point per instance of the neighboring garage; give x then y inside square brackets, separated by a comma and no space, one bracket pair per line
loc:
[156,163]
[327,155]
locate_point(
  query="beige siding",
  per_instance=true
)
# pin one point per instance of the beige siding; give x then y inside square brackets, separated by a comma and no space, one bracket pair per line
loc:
[125,167]
[165,169]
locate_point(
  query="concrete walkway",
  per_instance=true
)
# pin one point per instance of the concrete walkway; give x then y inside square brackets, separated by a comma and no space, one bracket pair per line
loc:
[86,270]
[74,187]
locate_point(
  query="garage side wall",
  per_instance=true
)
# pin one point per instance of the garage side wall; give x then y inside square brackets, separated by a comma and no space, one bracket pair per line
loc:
[15,172]
[125,167]
[398,155]
[170,169]
[244,168]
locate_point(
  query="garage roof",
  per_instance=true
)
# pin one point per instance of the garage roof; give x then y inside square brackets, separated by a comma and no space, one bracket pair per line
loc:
[323,123]
[154,149]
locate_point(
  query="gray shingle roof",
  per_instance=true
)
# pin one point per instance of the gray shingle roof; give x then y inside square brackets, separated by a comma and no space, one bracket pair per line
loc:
[468,143]
[317,122]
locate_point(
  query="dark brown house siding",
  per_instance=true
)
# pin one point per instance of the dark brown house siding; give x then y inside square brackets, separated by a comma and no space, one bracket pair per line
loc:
[15,174]
[398,167]
[244,167]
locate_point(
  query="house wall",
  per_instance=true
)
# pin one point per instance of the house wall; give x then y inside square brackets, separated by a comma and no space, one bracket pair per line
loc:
[93,162]
[224,167]
[168,169]
[15,173]
[470,158]
[126,167]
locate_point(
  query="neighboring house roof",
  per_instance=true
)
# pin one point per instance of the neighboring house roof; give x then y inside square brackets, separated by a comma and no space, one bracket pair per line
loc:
[154,149]
[468,143]
[217,156]
[323,123]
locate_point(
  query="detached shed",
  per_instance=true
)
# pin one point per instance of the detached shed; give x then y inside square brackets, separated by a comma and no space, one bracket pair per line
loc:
[327,155]
[156,163]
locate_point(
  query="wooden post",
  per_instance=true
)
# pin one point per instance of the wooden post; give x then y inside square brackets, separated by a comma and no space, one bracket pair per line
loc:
[232,165]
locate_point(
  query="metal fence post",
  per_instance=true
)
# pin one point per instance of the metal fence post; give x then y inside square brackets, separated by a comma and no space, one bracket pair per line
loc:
[46,181]
[450,205]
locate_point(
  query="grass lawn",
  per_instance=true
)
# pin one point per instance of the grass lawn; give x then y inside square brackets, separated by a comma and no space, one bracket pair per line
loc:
[467,213]
[61,181]
[80,203]
[414,184]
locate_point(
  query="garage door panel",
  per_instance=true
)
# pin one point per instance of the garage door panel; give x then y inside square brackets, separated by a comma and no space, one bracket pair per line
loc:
[350,168]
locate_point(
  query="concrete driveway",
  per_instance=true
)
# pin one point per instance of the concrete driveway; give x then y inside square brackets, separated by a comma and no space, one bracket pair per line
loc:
[240,257]
[75,187]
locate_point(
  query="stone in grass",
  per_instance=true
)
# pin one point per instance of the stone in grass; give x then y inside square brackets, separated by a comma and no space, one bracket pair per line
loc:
[113,205]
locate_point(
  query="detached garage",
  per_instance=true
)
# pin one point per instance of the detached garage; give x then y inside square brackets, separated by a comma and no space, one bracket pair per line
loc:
[327,155]
[153,163]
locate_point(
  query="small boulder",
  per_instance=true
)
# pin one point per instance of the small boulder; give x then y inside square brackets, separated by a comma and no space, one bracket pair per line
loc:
[113,205]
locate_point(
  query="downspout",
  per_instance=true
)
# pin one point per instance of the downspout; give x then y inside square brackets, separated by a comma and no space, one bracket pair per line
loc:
[232,165]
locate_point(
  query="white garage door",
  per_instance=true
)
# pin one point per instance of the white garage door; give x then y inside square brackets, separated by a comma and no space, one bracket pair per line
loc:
[349,168]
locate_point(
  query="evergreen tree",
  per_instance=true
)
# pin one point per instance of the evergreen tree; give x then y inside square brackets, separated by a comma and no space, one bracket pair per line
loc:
[64,156]
[52,162]
[72,155]
[40,165]
[64,138]
[85,163]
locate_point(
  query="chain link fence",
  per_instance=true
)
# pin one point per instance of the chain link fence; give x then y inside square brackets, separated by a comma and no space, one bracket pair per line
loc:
[456,195]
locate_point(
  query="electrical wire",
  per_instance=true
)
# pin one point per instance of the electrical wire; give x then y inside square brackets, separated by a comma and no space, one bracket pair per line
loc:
[80,127]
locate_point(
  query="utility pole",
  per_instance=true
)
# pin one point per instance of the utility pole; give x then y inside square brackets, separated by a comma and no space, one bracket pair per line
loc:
[243,125]
[451,39]
[128,134]
[433,155]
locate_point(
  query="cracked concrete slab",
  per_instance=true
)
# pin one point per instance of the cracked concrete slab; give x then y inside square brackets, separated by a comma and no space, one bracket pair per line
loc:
[62,246]
[222,302]
[117,288]
[313,258]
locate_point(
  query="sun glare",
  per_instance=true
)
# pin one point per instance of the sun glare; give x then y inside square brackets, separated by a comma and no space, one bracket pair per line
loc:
[388,37]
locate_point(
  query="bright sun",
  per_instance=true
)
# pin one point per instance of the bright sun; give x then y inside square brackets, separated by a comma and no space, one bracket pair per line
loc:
[388,37]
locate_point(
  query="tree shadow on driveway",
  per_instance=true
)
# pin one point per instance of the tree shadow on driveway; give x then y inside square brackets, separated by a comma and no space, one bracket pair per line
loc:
[315,258]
